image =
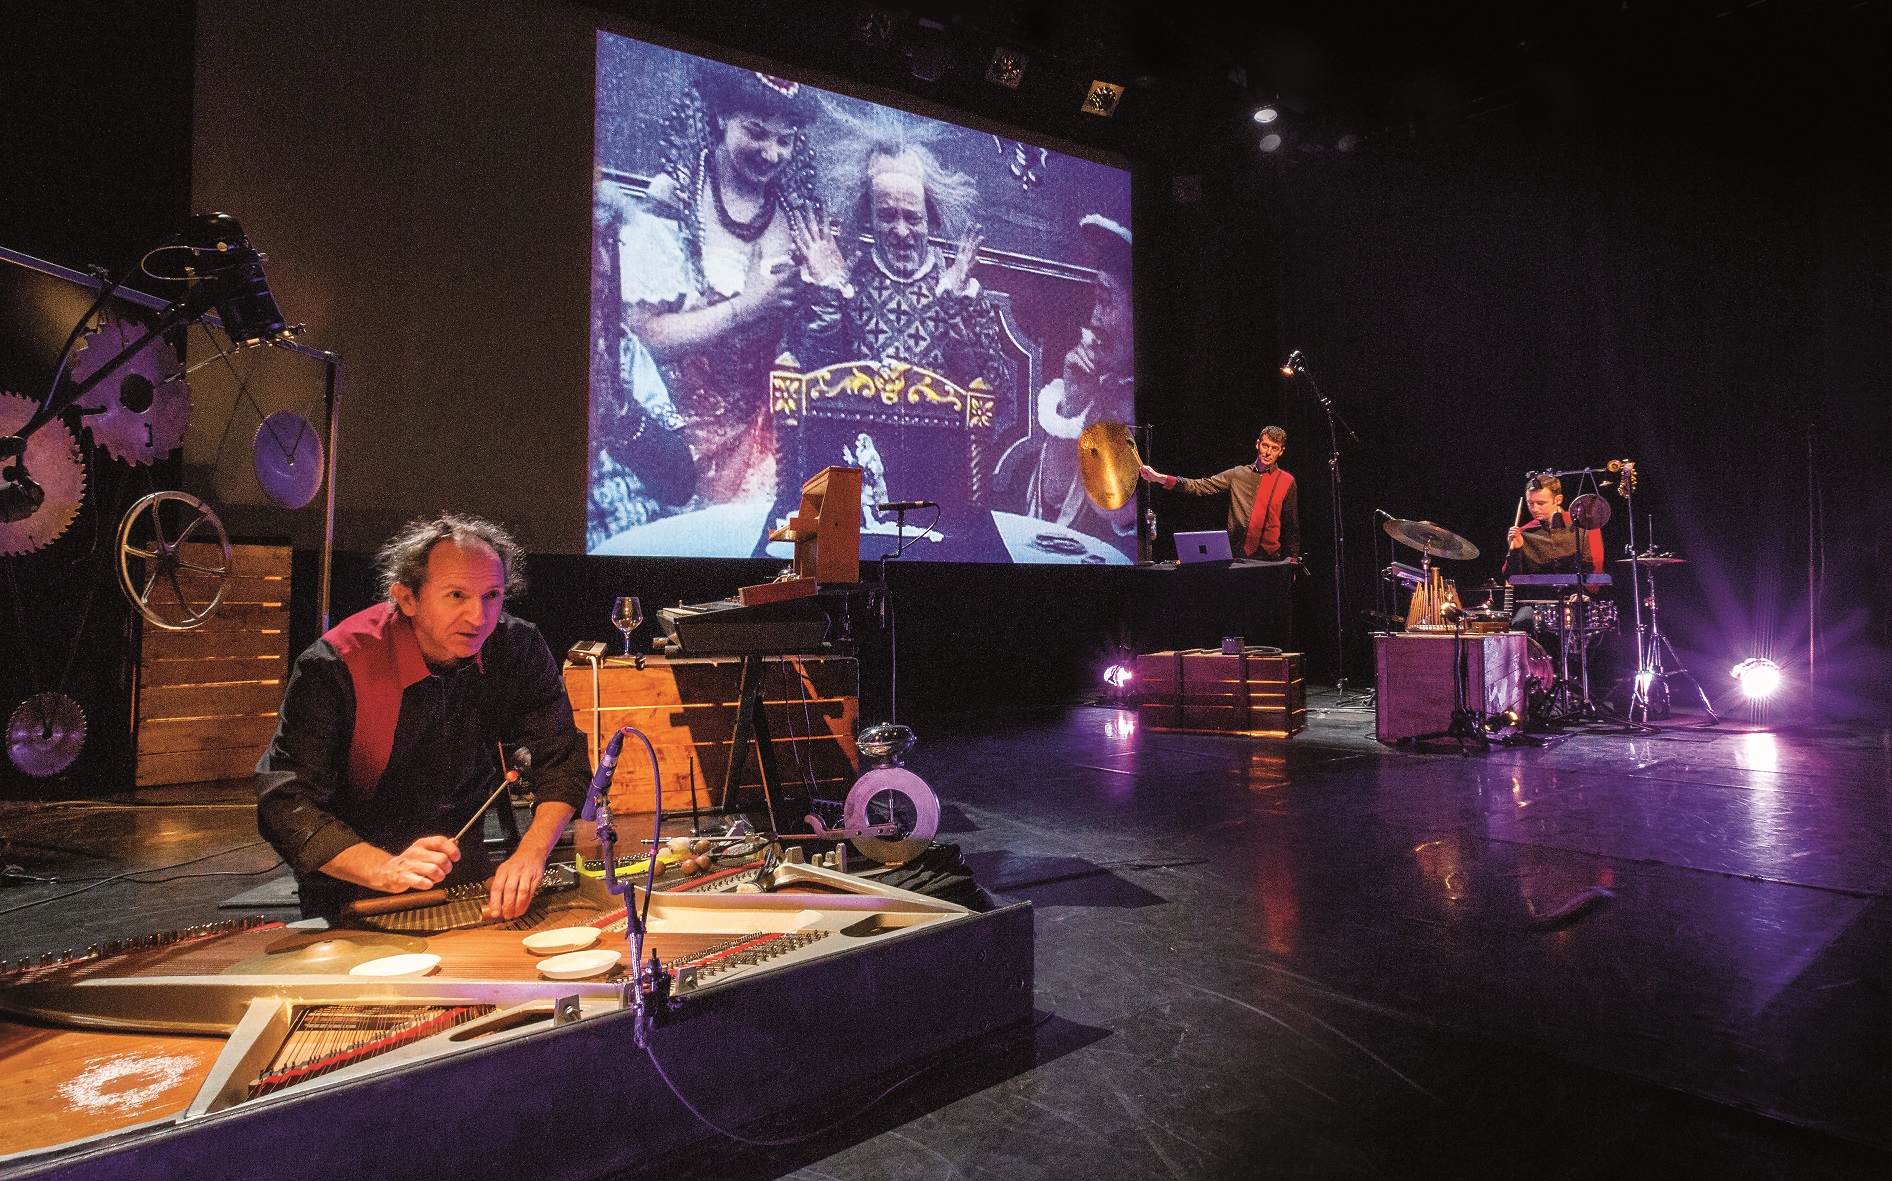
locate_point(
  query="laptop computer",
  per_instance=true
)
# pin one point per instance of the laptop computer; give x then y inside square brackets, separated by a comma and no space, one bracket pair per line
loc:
[1209,546]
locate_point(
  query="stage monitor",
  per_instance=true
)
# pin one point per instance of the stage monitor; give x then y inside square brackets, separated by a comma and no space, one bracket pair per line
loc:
[786,279]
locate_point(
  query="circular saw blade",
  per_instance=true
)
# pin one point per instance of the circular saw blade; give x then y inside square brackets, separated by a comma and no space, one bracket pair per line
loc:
[140,412]
[53,462]
[287,454]
[899,781]
[45,734]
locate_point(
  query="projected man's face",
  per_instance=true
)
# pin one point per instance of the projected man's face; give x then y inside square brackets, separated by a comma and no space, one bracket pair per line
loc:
[900,226]
[1111,321]
[757,147]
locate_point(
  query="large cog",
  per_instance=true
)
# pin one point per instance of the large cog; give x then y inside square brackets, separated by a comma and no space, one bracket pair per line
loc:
[53,462]
[139,413]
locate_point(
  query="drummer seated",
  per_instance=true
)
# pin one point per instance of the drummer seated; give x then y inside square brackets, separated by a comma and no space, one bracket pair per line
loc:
[1547,544]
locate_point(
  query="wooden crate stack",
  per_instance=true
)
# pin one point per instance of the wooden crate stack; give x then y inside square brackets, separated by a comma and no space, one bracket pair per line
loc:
[207,698]
[687,707]
[1257,692]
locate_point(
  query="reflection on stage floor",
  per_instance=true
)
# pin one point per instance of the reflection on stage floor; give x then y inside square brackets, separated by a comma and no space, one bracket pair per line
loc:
[1327,957]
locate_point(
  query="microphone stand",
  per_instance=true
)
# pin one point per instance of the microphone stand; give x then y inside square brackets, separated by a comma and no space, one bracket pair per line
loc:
[887,615]
[1335,424]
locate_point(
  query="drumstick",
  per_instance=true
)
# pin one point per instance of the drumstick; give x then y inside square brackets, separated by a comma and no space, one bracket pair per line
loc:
[511,777]
[1517,518]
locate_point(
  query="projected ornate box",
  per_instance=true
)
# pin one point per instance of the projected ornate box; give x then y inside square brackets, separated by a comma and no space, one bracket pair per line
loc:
[1258,692]
[687,707]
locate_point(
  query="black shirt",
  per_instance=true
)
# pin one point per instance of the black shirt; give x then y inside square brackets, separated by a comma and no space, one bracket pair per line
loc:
[445,760]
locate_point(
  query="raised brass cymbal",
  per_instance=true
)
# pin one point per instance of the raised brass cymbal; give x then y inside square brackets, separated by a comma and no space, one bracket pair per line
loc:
[1654,559]
[1108,463]
[1432,539]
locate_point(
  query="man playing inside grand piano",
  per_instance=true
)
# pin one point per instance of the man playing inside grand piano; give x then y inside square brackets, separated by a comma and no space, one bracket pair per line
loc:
[393,723]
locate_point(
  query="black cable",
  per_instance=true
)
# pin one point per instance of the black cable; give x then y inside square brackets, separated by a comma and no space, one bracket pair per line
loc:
[131,874]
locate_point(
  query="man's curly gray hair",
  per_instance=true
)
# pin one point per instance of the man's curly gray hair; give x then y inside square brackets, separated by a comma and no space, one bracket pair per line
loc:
[403,560]
[883,139]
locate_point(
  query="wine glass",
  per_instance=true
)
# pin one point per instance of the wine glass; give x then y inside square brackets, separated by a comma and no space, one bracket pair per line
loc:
[627,614]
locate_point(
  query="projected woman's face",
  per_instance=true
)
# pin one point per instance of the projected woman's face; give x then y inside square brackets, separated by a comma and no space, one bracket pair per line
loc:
[900,225]
[757,147]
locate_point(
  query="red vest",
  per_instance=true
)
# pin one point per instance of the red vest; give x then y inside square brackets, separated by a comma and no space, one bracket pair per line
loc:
[383,659]
[1264,518]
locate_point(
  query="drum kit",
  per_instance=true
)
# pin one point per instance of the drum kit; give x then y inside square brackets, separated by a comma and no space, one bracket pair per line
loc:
[1573,621]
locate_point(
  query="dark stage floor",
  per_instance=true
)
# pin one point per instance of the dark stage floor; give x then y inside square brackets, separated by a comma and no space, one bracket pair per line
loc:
[1322,957]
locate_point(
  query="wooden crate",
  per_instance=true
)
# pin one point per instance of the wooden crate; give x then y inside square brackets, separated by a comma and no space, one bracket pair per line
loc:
[687,707]
[207,698]
[1418,676]
[1256,693]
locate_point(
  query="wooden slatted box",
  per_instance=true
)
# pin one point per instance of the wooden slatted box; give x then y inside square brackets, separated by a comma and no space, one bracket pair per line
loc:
[208,698]
[687,707]
[1254,692]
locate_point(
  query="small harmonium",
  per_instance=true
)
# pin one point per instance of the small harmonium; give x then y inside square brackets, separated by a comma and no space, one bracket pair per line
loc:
[1558,579]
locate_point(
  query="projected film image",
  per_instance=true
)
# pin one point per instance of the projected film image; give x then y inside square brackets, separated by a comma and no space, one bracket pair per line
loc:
[785,278]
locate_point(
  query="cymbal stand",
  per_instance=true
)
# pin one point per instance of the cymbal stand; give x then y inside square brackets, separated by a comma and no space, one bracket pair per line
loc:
[1335,424]
[1652,679]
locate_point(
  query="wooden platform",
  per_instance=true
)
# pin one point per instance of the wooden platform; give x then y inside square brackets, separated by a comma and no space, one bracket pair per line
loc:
[1257,692]
[207,698]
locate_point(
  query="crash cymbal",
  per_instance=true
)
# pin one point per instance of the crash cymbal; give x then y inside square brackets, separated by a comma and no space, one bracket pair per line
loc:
[1654,559]
[1108,463]
[1432,539]
[1590,511]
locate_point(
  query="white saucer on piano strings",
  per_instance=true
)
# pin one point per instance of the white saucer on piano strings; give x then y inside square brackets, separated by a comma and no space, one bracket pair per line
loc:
[576,965]
[561,940]
[394,967]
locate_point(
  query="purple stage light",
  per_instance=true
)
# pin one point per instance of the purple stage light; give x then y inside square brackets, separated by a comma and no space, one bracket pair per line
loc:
[1758,677]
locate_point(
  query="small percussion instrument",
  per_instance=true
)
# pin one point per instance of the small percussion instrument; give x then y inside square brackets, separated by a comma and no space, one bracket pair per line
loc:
[1585,619]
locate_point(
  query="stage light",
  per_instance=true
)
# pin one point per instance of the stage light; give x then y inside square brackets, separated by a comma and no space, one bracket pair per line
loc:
[1270,141]
[1007,68]
[1118,675]
[1102,99]
[1267,113]
[1758,677]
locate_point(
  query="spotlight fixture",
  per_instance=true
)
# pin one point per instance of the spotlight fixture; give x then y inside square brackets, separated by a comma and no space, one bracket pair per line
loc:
[1007,68]
[1267,113]
[1102,99]
[1271,141]
[1118,675]
[929,50]
[1758,677]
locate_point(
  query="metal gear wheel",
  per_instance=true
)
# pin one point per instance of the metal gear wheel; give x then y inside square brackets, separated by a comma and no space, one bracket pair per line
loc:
[45,734]
[53,462]
[139,413]
[175,576]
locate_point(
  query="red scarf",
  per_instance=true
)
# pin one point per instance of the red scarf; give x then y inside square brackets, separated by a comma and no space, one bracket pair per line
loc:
[383,659]
[1264,519]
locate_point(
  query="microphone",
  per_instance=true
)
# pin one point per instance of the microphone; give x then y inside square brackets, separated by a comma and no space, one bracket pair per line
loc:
[1292,364]
[904,506]
[601,782]
[1451,613]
